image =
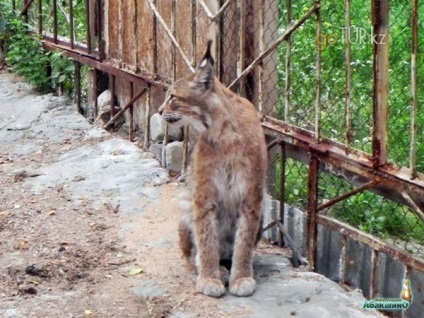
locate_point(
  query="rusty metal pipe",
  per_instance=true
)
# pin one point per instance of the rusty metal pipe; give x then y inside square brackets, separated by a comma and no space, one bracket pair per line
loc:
[366,186]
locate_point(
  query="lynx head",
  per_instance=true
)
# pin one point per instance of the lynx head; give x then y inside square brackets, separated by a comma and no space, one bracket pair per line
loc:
[185,101]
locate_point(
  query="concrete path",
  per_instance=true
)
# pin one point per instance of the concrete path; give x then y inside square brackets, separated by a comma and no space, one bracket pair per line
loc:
[71,191]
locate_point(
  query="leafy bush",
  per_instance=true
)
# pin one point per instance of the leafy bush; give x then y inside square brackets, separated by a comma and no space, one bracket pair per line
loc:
[26,56]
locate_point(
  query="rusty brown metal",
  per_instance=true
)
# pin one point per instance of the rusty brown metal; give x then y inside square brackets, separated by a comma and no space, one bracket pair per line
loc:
[334,153]
[147,119]
[348,67]
[318,75]
[40,16]
[88,24]
[113,95]
[288,68]
[55,21]
[71,23]
[123,109]
[131,109]
[99,27]
[380,21]
[414,91]
[77,83]
[95,93]
[282,177]
[373,242]
[374,267]
[27,5]
[273,46]
[312,209]
[364,187]
[106,66]
[168,31]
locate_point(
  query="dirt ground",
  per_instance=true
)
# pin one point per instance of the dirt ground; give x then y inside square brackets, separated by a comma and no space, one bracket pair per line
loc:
[61,257]
[88,229]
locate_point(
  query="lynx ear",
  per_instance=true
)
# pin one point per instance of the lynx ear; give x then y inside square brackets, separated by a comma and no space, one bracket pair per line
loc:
[205,72]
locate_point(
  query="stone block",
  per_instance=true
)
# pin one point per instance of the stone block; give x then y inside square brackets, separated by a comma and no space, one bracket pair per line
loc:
[157,129]
[174,156]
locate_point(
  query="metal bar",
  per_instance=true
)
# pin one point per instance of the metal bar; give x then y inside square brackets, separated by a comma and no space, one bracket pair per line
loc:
[107,67]
[99,22]
[269,225]
[28,4]
[174,34]
[171,36]
[95,93]
[193,31]
[414,91]
[71,22]
[312,209]
[297,255]
[55,21]
[374,267]
[146,141]
[373,242]
[334,153]
[282,187]
[240,52]
[185,153]
[366,186]
[113,96]
[318,77]
[131,134]
[87,21]
[40,16]
[77,83]
[206,9]
[164,143]
[81,49]
[261,49]
[155,42]
[342,262]
[273,46]
[348,67]
[413,205]
[123,109]
[222,9]
[287,85]
[380,20]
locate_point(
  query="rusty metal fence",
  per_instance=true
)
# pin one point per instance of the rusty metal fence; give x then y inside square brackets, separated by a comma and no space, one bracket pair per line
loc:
[336,82]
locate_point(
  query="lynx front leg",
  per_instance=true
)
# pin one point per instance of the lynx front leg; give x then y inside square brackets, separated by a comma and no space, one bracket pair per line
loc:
[241,278]
[209,279]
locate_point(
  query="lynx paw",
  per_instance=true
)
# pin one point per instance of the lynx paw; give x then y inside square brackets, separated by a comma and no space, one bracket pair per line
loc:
[210,287]
[242,287]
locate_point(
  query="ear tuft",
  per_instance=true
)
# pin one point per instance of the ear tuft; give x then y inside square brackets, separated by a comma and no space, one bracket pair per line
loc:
[205,71]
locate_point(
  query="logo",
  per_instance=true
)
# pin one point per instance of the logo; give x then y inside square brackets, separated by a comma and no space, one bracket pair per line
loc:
[353,35]
[401,303]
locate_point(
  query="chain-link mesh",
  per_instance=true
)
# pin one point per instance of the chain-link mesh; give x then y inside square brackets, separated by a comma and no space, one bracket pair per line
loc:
[374,214]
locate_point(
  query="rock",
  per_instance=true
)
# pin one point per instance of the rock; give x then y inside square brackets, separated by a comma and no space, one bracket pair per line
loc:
[104,99]
[174,156]
[156,149]
[157,129]
[104,105]
[54,102]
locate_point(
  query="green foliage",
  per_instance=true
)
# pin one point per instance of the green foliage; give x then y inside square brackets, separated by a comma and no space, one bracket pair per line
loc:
[366,211]
[27,57]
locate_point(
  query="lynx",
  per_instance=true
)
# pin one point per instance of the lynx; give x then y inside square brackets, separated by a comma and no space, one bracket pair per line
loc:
[219,231]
